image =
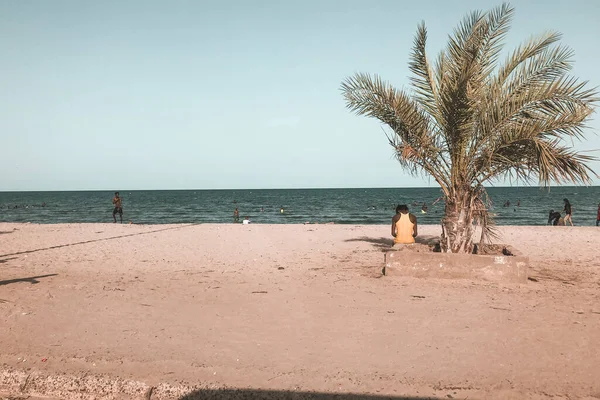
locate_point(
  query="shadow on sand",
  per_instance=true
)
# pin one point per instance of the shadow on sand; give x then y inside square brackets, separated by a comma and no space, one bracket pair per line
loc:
[32,279]
[385,244]
[98,240]
[2,261]
[254,394]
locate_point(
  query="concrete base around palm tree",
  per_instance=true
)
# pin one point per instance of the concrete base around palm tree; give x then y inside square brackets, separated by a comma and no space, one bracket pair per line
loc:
[499,268]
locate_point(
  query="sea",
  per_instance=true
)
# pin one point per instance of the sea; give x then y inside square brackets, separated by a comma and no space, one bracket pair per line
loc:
[528,205]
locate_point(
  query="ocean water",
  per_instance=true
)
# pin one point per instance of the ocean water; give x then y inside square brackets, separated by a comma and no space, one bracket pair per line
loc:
[342,206]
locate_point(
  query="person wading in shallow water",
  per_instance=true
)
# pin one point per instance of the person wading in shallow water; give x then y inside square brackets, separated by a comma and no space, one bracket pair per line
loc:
[567,210]
[118,207]
[404,226]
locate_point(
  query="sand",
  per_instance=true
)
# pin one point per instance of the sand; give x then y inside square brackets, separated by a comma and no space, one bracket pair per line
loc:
[128,311]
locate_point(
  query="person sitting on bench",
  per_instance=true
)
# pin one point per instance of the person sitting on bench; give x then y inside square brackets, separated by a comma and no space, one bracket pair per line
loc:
[404,226]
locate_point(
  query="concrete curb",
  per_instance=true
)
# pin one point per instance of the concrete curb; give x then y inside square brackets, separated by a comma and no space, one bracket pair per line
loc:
[87,386]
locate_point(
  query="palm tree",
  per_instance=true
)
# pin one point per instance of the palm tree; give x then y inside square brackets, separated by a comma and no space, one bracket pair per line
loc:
[470,120]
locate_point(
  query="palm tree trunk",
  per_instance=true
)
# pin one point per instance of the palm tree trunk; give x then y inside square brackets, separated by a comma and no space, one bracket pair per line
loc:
[457,224]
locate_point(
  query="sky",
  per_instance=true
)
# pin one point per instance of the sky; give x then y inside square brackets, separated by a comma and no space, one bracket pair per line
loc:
[146,94]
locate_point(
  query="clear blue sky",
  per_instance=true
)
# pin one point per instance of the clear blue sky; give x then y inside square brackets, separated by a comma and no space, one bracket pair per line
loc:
[231,94]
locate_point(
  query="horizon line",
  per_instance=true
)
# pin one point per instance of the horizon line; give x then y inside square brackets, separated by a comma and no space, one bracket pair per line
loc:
[283,188]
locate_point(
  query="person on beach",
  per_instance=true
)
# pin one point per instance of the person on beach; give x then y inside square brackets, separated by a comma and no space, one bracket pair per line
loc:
[567,210]
[598,216]
[117,202]
[236,215]
[246,221]
[553,217]
[404,226]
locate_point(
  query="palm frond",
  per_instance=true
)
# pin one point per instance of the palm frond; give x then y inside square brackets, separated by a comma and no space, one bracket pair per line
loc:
[423,81]
[547,159]
[498,25]
[375,98]
[472,52]
[454,101]
[555,108]
[481,205]
[553,162]
[463,74]
[524,52]
[550,64]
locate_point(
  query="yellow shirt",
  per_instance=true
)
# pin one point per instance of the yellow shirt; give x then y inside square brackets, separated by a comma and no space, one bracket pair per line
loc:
[404,230]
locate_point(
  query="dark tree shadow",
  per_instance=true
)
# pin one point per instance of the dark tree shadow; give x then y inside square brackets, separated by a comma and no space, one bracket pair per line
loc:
[385,244]
[2,261]
[255,394]
[5,232]
[429,240]
[32,279]
[381,243]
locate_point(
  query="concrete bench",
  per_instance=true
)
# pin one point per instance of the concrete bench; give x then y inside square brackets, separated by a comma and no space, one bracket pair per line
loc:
[456,266]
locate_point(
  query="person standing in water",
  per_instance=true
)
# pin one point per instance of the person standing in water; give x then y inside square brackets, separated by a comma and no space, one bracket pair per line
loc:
[404,226]
[598,216]
[117,202]
[236,215]
[281,210]
[568,210]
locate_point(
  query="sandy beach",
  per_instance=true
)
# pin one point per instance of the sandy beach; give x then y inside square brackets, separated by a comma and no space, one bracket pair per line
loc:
[155,311]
